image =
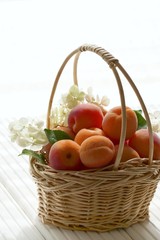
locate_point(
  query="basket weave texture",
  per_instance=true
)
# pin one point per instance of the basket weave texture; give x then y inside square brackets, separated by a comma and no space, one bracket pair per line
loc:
[104,199]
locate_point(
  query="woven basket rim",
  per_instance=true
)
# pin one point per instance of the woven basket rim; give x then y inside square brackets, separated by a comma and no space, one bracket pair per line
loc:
[133,169]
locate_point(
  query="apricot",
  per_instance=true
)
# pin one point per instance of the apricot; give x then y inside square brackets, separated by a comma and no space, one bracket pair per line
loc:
[96,151]
[85,115]
[84,133]
[127,154]
[112,123]
[64,155]
[140,142]
[66,130]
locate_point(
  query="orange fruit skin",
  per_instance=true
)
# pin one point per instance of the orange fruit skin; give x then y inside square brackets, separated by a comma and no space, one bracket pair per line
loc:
[140,142]
[97,151]
[127,154]
[85,133]
[64,155]
[85,115]
[112,123]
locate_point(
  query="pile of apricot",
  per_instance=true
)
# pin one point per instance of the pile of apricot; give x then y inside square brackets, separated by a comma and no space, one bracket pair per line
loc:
[95,137]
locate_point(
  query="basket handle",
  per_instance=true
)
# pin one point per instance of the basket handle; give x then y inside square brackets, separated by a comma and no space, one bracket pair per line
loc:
[113,64]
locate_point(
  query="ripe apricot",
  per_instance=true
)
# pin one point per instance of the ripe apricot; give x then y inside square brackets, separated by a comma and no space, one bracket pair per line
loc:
[85,115]
[64,155]
[84,133]
[96,151]
[140,142]
[112,123]
[127,154]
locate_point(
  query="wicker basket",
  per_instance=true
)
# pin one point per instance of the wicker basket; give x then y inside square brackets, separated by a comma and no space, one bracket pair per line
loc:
[104,199]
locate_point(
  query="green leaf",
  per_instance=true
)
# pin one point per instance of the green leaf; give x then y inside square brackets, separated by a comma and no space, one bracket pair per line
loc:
[33,154]
[141,120]
[56,135]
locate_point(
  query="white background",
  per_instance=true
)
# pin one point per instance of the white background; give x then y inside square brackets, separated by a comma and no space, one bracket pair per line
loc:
[36,36]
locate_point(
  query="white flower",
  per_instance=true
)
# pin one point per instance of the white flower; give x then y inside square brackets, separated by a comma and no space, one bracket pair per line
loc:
[73,97]
[105,101]
[101,102]
[155,120]
[59,116]
[28,132]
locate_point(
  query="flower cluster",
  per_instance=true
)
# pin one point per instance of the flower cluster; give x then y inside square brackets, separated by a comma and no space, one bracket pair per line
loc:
[74,97]
[101,102]
[28,132]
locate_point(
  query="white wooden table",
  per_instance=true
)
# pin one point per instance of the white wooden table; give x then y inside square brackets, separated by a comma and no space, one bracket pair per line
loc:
[18,205]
